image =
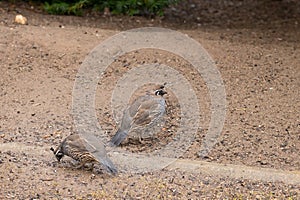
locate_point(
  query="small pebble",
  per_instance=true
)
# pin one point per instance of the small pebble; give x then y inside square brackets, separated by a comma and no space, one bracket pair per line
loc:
[20,19]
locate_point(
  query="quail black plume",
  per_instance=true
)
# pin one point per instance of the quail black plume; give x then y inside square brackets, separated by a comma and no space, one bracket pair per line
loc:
[146,111]
[75,147]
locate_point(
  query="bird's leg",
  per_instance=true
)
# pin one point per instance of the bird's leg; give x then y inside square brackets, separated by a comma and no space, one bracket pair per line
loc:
[81,164]
[91,167]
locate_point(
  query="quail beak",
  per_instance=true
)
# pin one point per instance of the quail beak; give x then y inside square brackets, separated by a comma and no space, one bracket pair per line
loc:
[58,158]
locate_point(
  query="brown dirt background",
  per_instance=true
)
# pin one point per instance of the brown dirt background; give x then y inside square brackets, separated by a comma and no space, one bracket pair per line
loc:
[256,46]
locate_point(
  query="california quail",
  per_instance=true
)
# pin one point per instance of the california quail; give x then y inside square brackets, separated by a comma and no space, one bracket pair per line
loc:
[75,147]
[144,113]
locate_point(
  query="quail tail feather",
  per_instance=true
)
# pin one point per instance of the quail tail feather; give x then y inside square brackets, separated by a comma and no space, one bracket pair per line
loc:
[107,163]
[118,138]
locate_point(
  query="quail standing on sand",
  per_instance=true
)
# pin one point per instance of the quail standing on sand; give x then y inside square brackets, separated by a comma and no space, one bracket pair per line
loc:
[144,113]
[75,147]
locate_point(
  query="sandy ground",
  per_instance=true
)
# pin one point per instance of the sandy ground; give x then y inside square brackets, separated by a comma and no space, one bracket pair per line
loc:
[256,47]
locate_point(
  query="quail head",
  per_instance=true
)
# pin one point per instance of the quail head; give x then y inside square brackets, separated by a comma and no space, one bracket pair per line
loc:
[140,118]
[75,147]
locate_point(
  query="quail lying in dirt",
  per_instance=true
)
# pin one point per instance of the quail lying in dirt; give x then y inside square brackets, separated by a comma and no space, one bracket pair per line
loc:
[144,113]
[75,147]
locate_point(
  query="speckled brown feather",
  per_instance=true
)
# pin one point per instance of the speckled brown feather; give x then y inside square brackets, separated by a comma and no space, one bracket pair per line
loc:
[143,112]
[76,147]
